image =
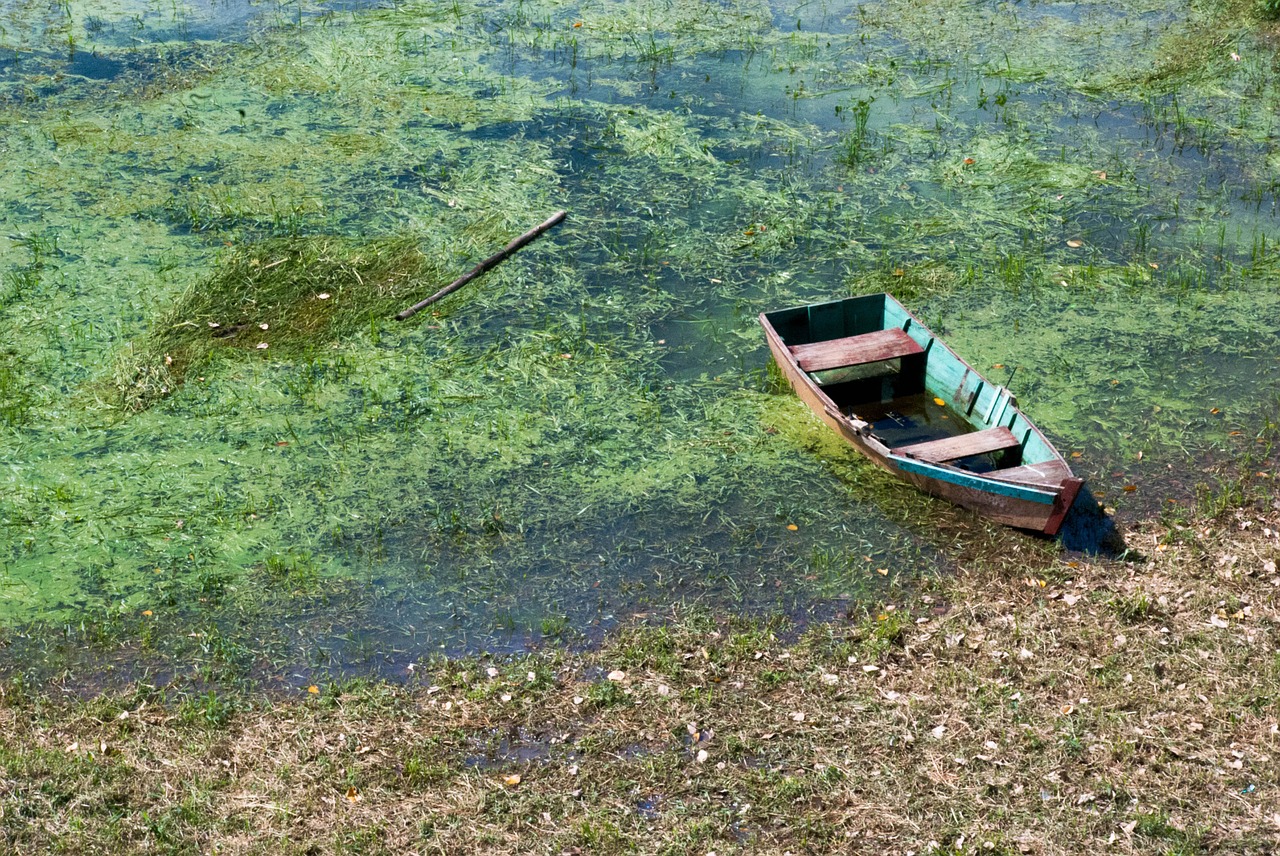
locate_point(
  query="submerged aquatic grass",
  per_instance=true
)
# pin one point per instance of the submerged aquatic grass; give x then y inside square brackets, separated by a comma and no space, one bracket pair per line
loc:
[288,294]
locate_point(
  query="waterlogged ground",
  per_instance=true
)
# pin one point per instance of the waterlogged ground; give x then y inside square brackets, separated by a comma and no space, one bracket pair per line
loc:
[218,455]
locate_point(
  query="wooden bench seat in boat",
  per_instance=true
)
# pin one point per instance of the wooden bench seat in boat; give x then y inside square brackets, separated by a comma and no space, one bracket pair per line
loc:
[854,350]
[962,446]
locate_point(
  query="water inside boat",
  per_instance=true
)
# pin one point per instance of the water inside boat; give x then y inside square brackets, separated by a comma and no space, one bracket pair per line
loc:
[912,419]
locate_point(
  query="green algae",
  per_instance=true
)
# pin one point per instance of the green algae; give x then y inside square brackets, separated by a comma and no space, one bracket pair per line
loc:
[587,431]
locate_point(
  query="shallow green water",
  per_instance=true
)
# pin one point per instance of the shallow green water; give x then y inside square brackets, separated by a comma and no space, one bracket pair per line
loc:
[1084,191]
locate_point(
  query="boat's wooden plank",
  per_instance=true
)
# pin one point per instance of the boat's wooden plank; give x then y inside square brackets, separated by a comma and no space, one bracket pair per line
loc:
[974,481]
[1045,473]
[853,350]
[1062,505]
[962,446]
[945,372]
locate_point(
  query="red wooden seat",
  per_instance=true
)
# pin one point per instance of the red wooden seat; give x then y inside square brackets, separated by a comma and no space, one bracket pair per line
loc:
[855,350]
[962,446]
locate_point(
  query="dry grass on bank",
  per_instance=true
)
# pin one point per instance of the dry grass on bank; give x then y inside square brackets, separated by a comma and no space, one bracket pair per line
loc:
[1126,707]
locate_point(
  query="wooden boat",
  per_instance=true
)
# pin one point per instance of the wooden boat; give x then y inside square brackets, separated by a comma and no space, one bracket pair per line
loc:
[869,369]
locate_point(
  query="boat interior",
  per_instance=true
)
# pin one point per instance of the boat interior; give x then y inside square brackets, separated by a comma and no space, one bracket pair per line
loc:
[877,364]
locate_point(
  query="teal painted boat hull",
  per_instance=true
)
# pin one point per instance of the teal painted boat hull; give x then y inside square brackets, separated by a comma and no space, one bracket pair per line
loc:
[896,392]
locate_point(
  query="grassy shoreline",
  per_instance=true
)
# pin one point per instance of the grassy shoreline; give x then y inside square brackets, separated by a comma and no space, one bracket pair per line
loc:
[1028,704]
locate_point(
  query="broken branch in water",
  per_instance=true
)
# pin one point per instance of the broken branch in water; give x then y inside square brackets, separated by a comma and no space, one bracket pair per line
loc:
[485,265]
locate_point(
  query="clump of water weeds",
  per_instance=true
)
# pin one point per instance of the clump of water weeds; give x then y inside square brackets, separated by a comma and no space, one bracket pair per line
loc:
[280,295]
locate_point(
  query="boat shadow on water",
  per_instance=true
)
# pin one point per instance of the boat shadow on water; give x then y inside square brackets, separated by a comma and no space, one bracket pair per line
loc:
[1087,528]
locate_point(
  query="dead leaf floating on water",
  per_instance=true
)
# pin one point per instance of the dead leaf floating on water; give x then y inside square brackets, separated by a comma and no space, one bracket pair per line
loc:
[939,402]
[262,346]
[1075,244]
[792,527]
[313,689]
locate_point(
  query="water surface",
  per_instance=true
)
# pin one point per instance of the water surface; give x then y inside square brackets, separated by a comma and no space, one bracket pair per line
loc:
[589,432]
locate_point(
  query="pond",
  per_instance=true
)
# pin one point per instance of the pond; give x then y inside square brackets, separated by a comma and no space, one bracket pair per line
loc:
[220,456]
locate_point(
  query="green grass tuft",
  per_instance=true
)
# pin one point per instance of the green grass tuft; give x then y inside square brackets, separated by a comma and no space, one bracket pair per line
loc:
[287,293]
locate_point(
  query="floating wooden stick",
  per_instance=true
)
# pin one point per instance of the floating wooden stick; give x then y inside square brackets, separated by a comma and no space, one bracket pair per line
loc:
[490,262]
